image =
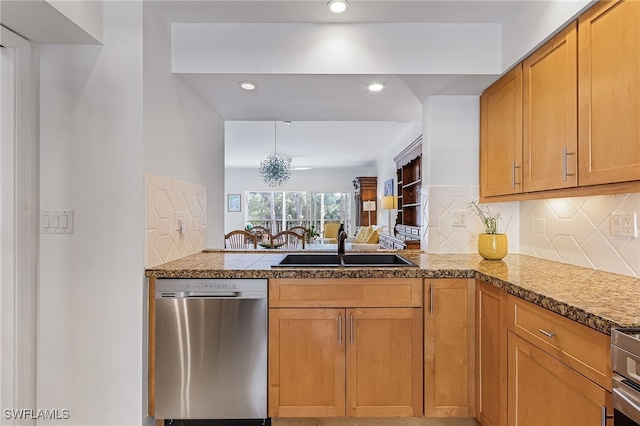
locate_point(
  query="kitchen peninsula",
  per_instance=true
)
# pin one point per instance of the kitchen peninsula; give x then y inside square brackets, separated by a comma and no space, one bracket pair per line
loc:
[494,310]
[600,300]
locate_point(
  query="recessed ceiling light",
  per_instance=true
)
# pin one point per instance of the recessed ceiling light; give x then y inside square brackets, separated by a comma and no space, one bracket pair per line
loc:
[248,85]
[375,87]
[338,6]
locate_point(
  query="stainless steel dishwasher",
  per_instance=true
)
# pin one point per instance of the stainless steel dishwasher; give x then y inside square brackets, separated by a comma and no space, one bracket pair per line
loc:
[211,349]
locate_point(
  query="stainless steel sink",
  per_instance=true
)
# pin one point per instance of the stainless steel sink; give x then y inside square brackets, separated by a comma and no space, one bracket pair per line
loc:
[354,260]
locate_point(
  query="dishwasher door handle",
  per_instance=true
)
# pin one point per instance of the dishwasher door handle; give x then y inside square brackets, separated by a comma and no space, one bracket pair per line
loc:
[199,295]
[212,294]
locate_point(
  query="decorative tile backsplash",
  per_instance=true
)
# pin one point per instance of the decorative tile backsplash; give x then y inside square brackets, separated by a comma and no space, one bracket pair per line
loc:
[176,219]
[568,230]
[443,237]
[578,231]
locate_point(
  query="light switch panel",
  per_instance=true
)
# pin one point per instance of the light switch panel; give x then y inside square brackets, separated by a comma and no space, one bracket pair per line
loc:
[56,221]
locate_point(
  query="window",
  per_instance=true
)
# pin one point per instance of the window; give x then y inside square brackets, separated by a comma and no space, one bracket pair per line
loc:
[282,210]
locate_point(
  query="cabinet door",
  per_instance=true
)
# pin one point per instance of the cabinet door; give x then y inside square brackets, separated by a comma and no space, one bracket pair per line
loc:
[501,136]
[384,362]
[609,105]
[550,114]
[544,391]
[449,348]
[306,362]
[491,355]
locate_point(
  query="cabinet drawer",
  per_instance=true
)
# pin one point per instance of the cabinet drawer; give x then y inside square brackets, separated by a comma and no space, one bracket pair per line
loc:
[345,292]
[583,349]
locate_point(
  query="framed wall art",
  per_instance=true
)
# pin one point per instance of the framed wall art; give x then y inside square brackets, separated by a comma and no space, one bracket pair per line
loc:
[233,203]
[388,187]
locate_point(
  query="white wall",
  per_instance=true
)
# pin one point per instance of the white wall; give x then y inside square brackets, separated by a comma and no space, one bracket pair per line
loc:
[239,180]
[534,24]
[450,149]
[91,290]
[183,136]
[386,168]
[109,114]
[85,14]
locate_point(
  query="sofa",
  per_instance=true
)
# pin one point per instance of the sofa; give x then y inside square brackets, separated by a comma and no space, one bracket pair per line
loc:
[366,239]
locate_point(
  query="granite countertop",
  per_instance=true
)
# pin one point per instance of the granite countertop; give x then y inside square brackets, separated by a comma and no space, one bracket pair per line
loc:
[597,299]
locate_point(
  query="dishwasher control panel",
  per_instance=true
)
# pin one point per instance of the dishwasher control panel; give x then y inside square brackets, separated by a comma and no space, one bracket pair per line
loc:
[211,287]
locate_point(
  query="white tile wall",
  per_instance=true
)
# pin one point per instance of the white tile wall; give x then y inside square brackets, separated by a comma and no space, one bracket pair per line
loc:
[442,237]
[578,231]
[165,197]
[567,230]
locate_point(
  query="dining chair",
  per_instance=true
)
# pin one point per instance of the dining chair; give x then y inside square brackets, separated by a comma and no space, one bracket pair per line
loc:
[302,231]
[287,240]
[240,239]
[261,233]
[330,232]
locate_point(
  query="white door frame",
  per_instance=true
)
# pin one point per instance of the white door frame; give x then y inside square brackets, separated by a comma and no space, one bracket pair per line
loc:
[19,214]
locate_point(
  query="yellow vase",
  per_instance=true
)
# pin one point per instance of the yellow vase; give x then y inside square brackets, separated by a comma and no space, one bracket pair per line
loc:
[493,246]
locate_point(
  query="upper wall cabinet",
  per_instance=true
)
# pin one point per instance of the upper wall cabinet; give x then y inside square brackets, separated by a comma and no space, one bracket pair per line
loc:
[550,114]
[609,98]
[501,136]
[570,126]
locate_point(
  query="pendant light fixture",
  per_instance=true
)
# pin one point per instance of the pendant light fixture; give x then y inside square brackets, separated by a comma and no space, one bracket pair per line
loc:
[275,170]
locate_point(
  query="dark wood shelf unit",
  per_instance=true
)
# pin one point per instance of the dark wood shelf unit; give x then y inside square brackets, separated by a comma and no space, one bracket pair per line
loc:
[366,189]
[409,187]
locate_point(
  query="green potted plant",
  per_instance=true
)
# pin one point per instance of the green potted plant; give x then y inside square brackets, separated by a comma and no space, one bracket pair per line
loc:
[492,245]
[313,234]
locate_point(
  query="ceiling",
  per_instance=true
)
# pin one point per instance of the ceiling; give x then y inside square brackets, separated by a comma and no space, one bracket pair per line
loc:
[329,113]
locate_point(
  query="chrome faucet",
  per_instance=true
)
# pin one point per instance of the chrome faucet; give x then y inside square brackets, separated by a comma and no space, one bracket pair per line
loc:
[342,235]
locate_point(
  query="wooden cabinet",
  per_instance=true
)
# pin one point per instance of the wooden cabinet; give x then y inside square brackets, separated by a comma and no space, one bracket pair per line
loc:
[544,391]
[501,136]
[384,362]
[535,367]
[566,121]
[559,371]
[585,350]
[491,355]
[409,189]
[550,114]
[366,189]
[609,100]
[306,362]
[345,347]
[449,386]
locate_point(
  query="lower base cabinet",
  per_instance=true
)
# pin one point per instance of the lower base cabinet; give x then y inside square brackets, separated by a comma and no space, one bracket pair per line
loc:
[544,391]
[449,385]
[535,367]
[491,355]
[345,361]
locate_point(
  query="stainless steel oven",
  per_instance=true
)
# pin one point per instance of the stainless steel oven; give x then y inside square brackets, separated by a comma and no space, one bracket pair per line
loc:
[625,362]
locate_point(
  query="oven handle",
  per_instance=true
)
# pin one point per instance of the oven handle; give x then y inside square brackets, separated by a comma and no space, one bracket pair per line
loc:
[623,400]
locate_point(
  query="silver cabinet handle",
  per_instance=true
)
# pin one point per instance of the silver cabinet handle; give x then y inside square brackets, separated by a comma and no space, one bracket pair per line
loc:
[513,175]
[564,163]
[351,328]
[603,415]
[339,329]
[549,334]
[431,299]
